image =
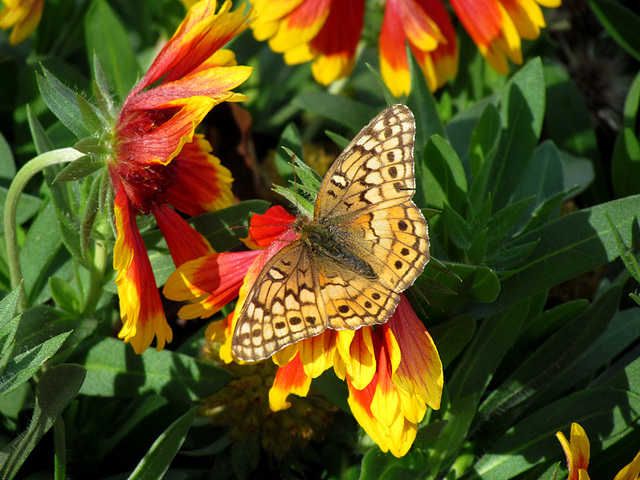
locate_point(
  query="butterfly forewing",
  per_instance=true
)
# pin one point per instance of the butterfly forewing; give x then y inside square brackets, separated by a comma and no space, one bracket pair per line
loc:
[375,170]
[282,307]
[367,243]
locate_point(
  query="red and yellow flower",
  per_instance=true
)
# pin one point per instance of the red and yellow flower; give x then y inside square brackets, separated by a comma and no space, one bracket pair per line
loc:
[158,160]
[327,32]
[577,451]
[393,371]
[21,15]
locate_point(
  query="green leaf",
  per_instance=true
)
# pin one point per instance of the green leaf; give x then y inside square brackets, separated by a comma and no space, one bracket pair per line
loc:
[483,148]
[64,295]
[291,140]
[157,460]
[567,118]
[42,254]
[108,39]
[460,232]
[544,373]
[7,164]
[632,104]
[347,112]
[63,102]
[522,103]
[567,247]
[494,337]
[28,206]
[245,456]
[443,177]
[22,367]
[533,439]
[57,387]
[80,168]
[453,336]
[423,106]
[40,137]
[215,226]
[8,325]
[621,23]
[113,369]
[543,178]
[625,164]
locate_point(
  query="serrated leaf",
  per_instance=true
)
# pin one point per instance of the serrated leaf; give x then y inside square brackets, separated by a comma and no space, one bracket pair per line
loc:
[158,459]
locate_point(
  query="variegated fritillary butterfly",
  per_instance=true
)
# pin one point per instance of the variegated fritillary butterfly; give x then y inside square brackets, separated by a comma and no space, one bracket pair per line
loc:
[366,243]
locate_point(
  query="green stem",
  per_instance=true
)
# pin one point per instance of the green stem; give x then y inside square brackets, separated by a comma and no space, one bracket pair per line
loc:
[59,450]
[26,173]
[97,276]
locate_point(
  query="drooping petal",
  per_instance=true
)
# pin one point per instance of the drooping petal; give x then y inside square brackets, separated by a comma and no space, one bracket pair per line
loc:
[140,305]
[201,184]
[356,349]
[419,372]
[221,331]
[290,378]
[183,241]
[209,282]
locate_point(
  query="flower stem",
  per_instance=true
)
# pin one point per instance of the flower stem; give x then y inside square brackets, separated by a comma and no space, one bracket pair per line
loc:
[26,173]
[97,276]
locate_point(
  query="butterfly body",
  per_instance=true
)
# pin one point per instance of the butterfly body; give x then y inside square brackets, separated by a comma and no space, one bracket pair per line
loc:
[366,243]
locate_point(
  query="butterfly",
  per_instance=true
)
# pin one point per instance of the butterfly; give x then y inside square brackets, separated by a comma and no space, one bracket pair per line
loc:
[366,243]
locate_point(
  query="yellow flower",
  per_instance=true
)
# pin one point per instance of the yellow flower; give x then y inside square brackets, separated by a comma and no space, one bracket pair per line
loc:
[23,15]
[577,451]
[327,32]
